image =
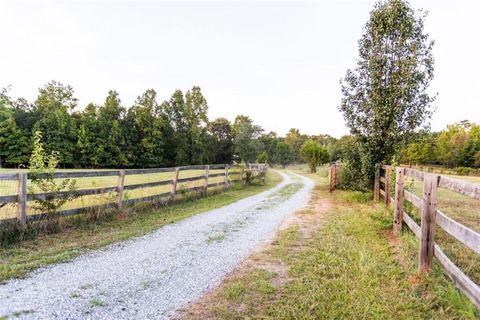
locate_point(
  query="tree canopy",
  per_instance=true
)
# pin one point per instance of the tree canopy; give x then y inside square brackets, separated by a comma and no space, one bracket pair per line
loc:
[314,154]
[150,133]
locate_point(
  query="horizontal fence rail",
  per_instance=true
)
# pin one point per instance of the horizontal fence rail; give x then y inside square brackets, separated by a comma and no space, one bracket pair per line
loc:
[23,197]
[431,217]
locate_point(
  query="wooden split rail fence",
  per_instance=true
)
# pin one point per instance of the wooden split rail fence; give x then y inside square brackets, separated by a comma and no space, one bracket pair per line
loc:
[23,197]
[431,217]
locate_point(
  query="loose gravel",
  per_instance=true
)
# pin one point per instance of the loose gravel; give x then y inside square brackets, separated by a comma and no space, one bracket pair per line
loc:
[152,276]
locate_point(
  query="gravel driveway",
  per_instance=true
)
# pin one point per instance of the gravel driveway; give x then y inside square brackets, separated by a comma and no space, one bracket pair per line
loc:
[152,276]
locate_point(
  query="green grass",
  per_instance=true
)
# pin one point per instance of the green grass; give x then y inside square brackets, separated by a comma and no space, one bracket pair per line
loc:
[352,267]
[217,237]
[96,302]
[462,209]
[16,261]
[8,187]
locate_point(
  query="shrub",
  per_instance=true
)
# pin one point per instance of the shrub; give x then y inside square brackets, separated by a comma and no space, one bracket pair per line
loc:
[314,154]
[262,157]
[462,171]
[41,172]
[12,232]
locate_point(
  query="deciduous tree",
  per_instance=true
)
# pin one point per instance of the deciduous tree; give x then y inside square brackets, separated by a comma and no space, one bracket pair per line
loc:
[385,98]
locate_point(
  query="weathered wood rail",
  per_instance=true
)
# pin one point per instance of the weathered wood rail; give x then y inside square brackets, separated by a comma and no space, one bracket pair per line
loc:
[23,197]
[333,176]
[431,216]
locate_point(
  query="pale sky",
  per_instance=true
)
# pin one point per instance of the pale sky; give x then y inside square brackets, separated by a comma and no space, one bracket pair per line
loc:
[278,62]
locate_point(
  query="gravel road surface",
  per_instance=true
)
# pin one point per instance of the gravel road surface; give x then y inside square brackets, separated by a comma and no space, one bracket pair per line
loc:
[152,276]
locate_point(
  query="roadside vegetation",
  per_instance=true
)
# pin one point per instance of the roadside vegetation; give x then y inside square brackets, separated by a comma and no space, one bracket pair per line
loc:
[338,260]
[17,260]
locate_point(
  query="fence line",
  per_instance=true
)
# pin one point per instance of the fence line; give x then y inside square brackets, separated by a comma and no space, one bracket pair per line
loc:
[22,196]
[430,218]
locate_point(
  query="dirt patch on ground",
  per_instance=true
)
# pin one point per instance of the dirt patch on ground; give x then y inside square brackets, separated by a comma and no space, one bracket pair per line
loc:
[397,246]
[307,220]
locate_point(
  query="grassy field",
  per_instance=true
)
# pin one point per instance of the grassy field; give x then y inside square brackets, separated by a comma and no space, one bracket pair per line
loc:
[466,172]
[462,209]
[338,260]
[10,188]
[17,260]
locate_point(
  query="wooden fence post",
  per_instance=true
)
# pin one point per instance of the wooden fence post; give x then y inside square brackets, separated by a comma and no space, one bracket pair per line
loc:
[330,178]
[242,172]
[264,173]
[174,184]
[226,175]
[334,176]
[388,173]
[427,227]
[398,201]
[120,184]
[205,182]
[376,183]
[22,199]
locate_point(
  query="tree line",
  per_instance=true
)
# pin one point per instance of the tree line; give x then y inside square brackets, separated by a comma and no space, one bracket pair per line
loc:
[456,146]
[150,133]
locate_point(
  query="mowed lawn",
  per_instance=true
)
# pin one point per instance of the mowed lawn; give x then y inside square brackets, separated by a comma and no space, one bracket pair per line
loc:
[9,187]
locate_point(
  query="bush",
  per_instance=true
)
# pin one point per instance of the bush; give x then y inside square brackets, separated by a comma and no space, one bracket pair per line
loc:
[462,171]
[353,175]
[262,157]
[12,232]
[314,154]
[42,168]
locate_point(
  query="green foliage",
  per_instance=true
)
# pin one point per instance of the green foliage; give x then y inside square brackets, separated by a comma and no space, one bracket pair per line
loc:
[459,145]
[283,154]
[385,98]
[148,134]
[222,140]
[13,141]
[417,152]
[314,154]
[146,127]
[188,118]
[456,146]
[294,139]
[262,157]
[53,104]
[245,137]
[13,232]
[477,159]
[41,173]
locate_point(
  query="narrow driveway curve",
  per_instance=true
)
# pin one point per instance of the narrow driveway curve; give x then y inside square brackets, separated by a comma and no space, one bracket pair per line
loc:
[152,276]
